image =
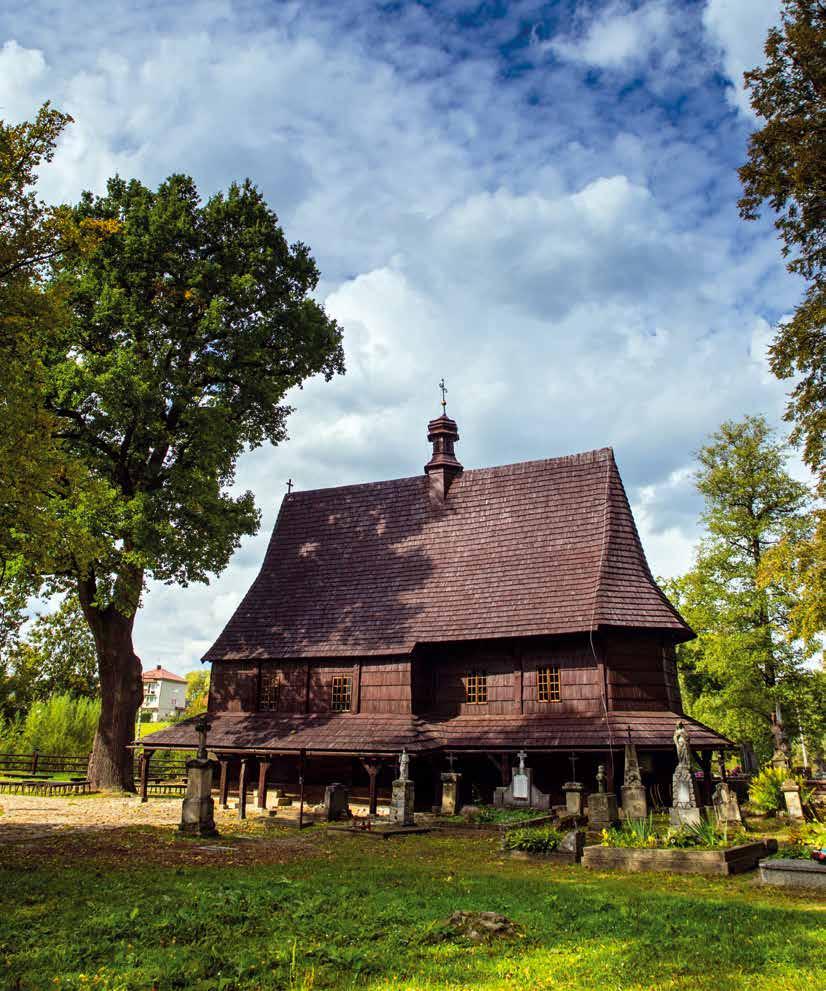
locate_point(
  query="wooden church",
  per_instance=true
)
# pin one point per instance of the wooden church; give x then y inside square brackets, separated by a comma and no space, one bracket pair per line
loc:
[463,616]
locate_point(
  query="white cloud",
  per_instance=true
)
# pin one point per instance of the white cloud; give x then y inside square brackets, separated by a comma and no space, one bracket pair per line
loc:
[617,35]
[567,255]
[738,29]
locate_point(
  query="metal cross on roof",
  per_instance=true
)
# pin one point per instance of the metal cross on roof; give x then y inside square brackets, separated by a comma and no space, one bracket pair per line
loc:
[443,387]
[290,484]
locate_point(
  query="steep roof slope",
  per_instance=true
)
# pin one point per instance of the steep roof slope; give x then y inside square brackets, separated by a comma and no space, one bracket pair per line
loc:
[541,547]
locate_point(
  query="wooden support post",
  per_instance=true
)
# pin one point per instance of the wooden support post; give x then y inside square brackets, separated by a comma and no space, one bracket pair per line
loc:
[35,759]
[721,764]
[146,757]
[705,763]
[502,765]
[355,698]
[263,769]
[242,790]
[223,787]
[301,756]
[519,681]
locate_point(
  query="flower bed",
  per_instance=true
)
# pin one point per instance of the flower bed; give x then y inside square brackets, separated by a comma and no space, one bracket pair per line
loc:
[732,860]
[701,849]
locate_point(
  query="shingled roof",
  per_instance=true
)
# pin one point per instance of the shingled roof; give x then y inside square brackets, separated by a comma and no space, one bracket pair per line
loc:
[540,547]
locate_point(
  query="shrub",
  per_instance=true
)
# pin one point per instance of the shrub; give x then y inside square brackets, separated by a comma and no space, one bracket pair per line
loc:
[803,839]
[766,790]
[705,835]
[490,814]
[533,839]
[61,725]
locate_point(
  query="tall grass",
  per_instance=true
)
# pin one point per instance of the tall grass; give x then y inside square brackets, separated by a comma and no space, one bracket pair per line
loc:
[61,724]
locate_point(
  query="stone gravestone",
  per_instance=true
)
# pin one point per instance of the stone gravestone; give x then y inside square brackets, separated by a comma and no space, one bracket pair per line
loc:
[403,794]
[198,811]
[521,792]
[685,805]
[450,793]
[573,797]
[602,805]
[634,804]
[726,807]
[791,795]
[336,802]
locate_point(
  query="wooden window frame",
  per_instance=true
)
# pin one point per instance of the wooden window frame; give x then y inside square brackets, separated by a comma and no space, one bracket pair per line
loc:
[269,690]
[549,684]
[476,688]
[341,693]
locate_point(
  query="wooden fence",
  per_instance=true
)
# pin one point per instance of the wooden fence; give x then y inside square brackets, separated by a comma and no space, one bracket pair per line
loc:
[43,764]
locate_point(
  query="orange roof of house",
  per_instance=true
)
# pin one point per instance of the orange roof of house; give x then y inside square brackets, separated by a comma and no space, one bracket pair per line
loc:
[161,674]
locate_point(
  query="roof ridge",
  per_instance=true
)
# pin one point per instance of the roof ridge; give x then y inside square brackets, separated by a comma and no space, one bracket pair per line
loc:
[593,456]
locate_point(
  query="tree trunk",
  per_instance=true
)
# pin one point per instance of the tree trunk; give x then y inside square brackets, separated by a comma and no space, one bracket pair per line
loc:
[121,690]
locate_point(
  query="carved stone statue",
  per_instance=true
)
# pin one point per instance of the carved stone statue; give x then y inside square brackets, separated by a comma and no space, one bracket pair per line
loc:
[404,766]
[601,779]
[681,742]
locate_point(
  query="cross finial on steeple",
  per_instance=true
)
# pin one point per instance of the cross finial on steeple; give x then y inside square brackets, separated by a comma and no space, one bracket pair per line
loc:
[443,387]
[290,484]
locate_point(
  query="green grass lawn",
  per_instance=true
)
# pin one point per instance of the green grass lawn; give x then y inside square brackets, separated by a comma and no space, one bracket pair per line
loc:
[344,912]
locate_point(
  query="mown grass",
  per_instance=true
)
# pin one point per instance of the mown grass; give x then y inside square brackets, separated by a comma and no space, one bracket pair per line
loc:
[363,913]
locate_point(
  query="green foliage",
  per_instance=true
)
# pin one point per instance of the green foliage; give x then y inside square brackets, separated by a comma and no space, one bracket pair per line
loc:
[59,725]
[786,170]
[197,692]
[533,839]
[766,790]
[744,661]
[803,839]
[340,913]
[643,834]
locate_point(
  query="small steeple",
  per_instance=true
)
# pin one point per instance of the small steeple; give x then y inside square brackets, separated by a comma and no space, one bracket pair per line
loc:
[443,466]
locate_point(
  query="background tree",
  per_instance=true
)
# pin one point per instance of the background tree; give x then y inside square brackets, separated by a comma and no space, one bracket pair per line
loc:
[786,169]
[743,663]
[188,326]
[197,692]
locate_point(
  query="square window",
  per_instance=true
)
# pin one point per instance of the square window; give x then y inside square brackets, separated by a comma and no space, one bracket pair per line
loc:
[268,693]
[476,688]
[547,684]
[341,695]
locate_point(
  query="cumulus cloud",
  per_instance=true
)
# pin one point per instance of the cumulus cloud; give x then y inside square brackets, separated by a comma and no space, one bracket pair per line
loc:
[566,253]
[616,35]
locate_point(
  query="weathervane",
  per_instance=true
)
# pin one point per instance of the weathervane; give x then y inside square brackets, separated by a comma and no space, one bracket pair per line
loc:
[290,484]
[443,387]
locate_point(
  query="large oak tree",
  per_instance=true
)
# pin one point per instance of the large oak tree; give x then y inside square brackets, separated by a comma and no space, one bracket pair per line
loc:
[188,326]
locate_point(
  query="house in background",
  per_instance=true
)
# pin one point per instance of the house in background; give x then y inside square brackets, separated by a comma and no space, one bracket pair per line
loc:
[164,694]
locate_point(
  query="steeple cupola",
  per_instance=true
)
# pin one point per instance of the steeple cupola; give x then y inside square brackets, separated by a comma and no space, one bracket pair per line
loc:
[443,466]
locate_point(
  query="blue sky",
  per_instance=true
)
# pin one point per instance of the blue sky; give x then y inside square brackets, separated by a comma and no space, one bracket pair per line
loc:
[537,201]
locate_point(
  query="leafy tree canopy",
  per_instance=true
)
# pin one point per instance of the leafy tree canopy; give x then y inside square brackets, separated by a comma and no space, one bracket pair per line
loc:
[786,169]
[743,662]
[188,324]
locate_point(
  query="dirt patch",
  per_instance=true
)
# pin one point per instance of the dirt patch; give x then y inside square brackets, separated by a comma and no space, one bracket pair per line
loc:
[478,927]
[120,831]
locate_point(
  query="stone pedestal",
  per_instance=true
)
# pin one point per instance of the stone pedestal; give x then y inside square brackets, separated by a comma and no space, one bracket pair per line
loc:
[573,797]
[634,803]
[198,811]
[791,794]
[336,802]
[685,802]
[401,803]
[602,810]
[521,792]
[450,793]
[780,761]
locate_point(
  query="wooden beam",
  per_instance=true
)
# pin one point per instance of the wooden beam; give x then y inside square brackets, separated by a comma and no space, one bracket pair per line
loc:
[301,757]
[223,787]
[519,683]
[242,790]
[263,770]
[355,698]
[146,757]
[705,763]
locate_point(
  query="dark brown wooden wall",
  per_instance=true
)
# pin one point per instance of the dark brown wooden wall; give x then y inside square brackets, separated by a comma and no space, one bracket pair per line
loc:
[641,672]
[439,675]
